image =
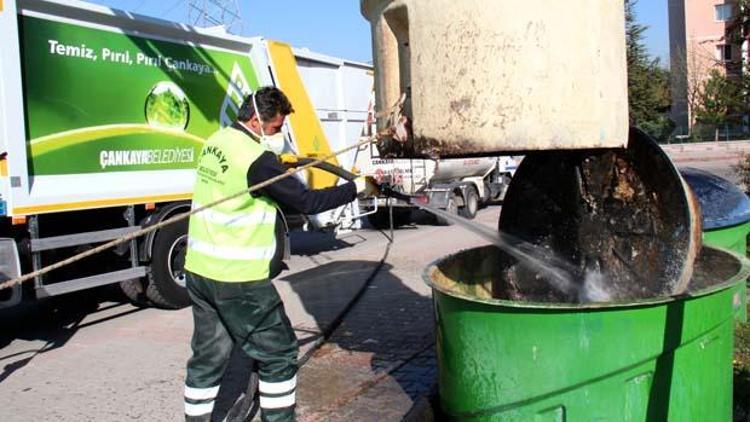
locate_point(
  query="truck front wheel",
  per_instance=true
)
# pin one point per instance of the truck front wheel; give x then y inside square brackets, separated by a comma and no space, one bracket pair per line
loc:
[166,287]
[471,204]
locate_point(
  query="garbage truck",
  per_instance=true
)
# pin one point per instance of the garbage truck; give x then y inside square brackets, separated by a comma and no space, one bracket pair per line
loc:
[103,114]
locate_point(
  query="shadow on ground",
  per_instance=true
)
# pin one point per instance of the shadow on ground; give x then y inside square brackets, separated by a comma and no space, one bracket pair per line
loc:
[51,323]
[391,326]
[313,243]
[387,334]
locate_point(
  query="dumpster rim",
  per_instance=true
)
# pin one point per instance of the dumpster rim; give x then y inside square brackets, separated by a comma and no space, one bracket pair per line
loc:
[742,275]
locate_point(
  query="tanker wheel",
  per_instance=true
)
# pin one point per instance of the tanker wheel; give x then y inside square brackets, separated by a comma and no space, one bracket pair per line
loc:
[451,208]
[166,286]
[471,204]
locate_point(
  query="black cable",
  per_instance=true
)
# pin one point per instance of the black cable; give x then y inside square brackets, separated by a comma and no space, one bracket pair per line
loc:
[248,408]
[328,332]
[326,166]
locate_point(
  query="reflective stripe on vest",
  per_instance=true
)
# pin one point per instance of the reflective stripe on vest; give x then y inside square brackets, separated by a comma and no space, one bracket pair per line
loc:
[235,240]
[230,252]
[235,219]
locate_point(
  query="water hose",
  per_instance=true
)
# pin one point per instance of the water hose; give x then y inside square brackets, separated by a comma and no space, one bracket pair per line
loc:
[325,166]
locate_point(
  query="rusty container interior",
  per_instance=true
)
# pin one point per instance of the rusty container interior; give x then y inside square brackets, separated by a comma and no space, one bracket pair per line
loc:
[487,76]
[621,219]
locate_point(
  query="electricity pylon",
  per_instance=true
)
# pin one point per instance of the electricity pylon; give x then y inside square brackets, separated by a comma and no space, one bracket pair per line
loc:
[213,13]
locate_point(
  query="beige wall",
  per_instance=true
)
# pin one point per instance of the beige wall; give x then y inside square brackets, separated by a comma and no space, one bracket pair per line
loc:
[704,33]
[701,19]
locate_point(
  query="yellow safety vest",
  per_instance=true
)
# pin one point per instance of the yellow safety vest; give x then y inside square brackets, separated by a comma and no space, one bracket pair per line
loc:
[235,240]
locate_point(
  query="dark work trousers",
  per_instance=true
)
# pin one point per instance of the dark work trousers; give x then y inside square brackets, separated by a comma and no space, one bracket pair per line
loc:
[252,315]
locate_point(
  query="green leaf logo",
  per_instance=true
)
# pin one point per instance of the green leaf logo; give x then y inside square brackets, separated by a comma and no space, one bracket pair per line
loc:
[167,106]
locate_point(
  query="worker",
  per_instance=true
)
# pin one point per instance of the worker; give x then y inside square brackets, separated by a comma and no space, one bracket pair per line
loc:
[233,254]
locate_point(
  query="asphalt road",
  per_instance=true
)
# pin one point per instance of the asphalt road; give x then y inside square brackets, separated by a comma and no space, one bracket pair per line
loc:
[717,158]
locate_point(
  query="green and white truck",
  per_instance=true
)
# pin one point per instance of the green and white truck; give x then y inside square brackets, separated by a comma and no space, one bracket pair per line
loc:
[103,114]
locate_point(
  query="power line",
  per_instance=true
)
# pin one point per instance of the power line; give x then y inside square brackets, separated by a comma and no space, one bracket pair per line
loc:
[209,13]
[135,9]
[170,9]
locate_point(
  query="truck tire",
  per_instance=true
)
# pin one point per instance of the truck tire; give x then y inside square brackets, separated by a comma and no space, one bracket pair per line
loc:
[381,220]
[166,287]
[452,208]
[471,204]
[135,290]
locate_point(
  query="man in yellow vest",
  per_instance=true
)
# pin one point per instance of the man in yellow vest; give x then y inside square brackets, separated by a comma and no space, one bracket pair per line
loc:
[232,249]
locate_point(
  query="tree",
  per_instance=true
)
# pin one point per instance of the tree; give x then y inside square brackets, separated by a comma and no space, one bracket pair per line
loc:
[690,68]
[648,82]
[736,30]
[720,102]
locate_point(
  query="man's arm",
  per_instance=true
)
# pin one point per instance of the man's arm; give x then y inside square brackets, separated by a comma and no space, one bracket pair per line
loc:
[291,193]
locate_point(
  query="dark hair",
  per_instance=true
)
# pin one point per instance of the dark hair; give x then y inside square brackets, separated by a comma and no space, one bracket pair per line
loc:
[270,100]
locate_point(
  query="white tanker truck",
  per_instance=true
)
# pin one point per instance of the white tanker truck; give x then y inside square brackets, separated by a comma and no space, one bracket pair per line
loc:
[460,185]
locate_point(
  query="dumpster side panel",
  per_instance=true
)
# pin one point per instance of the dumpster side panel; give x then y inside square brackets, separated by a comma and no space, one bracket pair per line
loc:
[669,361]
[733,238]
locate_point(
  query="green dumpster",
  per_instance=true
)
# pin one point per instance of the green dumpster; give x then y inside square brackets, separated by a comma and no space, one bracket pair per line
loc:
[657,359]
[725,207]
[726,214]
[733,237]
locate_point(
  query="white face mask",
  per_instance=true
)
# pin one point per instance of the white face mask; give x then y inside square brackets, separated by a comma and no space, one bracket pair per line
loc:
[274,143]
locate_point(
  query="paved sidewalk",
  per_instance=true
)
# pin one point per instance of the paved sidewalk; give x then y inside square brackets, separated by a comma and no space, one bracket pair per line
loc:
[381,359]
[711,153]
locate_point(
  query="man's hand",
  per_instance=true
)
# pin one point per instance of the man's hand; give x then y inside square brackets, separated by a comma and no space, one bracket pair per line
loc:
[366,187]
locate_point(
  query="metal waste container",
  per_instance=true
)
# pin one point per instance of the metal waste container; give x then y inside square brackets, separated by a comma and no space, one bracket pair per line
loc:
[725,207]
[654,359]
[726,215]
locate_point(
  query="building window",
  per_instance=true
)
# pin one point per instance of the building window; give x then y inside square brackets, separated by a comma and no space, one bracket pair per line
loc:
[723,12]
[724,52]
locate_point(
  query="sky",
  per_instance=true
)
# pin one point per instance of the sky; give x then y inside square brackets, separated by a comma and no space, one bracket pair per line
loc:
[653,13]
[336,27]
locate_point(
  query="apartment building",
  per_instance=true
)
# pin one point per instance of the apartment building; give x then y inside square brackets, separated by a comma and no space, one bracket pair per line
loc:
[698,41]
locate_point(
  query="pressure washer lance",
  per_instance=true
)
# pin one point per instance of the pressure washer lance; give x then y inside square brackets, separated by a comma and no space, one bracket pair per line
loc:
[18,280]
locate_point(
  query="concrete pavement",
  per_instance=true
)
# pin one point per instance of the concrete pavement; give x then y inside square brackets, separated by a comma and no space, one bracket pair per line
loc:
[714,157]
[90,357]
[381,359]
